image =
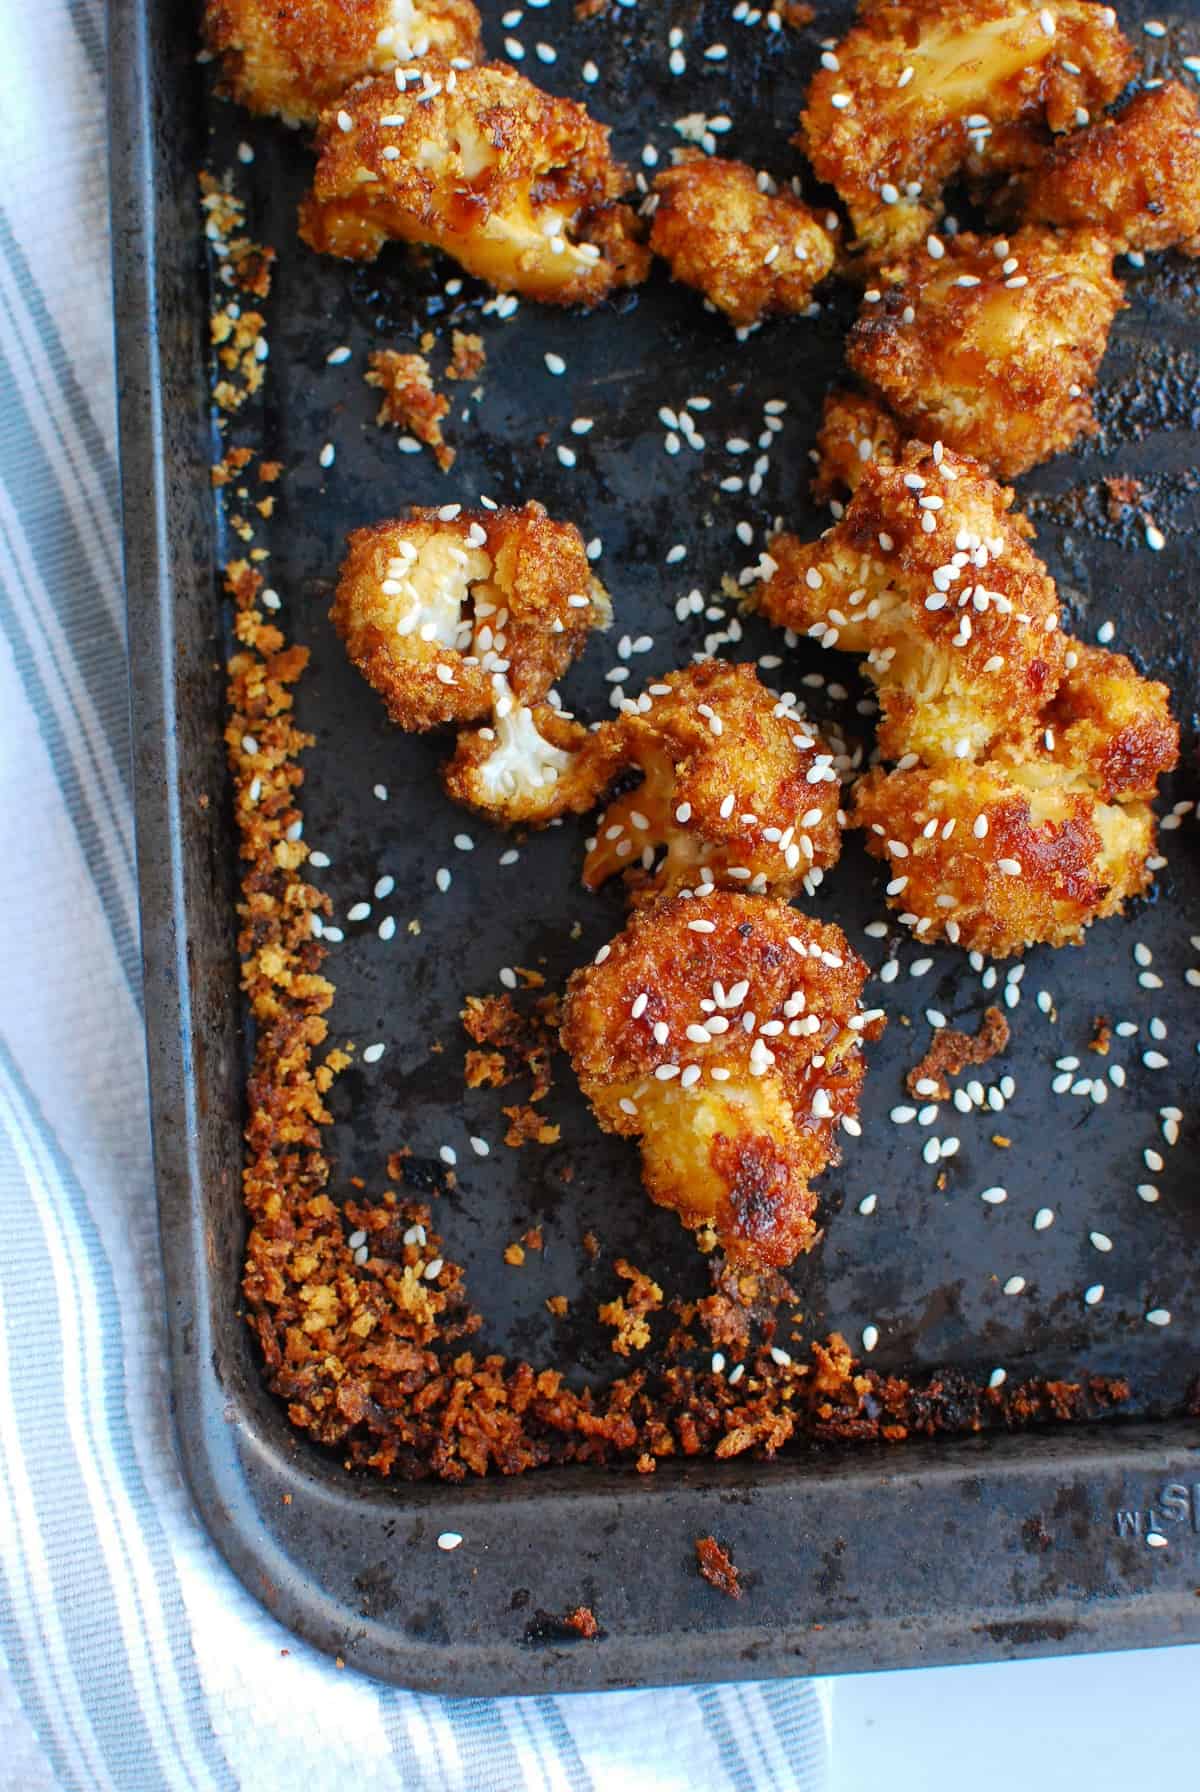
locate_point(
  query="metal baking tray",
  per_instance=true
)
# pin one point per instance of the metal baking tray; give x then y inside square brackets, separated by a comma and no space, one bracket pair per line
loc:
[958,1549]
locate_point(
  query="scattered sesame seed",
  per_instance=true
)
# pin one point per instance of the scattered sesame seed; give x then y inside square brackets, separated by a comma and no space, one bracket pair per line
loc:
[442,879]
[373,1053]
[1015,1285]
[1158,1316]
[326,455]
[1094,1295]
[870,1337]
[449,1540]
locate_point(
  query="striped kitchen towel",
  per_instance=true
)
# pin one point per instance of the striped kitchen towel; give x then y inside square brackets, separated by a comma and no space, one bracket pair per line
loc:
[130,1658]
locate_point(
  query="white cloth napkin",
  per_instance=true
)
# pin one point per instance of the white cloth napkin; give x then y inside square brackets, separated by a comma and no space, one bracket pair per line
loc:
[130,1658]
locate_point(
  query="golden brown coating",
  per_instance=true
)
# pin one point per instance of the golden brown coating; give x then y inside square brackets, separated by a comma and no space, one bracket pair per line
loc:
[737,786]
[919,87]
[993,345]
[855,430]
[517,185]
[1136,177]
[930,574]
[441,613]
[749,252]
[1033,855]
[292,58]
[723,1032]
[1105,724]
[526,767]
[1051,832]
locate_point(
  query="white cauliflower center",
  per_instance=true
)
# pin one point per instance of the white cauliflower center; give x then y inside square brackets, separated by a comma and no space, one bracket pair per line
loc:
[434,582]
[522,762]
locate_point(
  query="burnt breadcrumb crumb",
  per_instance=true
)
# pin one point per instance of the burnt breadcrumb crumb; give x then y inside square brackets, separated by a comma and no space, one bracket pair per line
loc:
[953,1050]
[717,1567]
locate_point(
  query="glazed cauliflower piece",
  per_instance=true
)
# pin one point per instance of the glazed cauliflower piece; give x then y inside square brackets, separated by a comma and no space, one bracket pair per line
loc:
[748,251]
[292,60]
[855,430]
[920,87]
[527,767]
[737,786]
[436,607]
[931,576]
[1050,833]
[724,1032]
[517,185]
[1136,176]
[992,345]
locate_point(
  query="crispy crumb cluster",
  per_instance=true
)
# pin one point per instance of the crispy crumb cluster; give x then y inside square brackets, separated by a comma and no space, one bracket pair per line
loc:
[236,331]
[993,343]
[516,184]
[447,613]
[1135,176]
[738,790]
[750,251]
[931,576]
[410,400]
[921,89]
[724,1032]
[291,61]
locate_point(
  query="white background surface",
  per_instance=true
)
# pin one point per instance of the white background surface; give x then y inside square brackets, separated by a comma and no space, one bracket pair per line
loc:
[1104,1723]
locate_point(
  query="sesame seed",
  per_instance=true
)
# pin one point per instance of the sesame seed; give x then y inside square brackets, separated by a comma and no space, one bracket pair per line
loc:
[359,912]
[448,1540]
[1042,1218]
[1155,538]
[1095,1294]
[997,1378]
[1101,1241]
[326,455]
[373,1053]
[1015,1285]
[336,356]
[870,1337]
[994,1196]
[554,363]
[781,1357]
[448,1155]
[442,879]
[1158,1316]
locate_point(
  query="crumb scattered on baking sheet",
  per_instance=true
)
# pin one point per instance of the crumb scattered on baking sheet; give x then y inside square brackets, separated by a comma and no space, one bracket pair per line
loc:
[410,401]
[468,356]
[627,1313]
[718,1567]
[951,1051]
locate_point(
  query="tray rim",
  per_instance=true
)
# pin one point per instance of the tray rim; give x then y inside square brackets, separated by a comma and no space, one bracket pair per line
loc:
[238,1464]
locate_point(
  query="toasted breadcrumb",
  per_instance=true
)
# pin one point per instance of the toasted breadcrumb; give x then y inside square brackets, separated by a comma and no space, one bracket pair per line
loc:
[855,430]
[516,184]
[952,1051]
[627,1313]
[723,1032]
[448,615]
[750,252]
[1135,177]
[409,399]
[292,60]
[993,346]
[931,576]
[920,88]
[717,1567]
[468,356]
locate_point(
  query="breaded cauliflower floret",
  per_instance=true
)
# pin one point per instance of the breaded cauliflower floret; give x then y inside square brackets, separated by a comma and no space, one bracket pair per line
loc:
[737,786]
[528,767]
[747,251]
[930,574]
[855,430]
[1136,177]
[434,610]
[920,87]
[1051,832]
[723,1032]
[516,184]
[993,345]
[293,59]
